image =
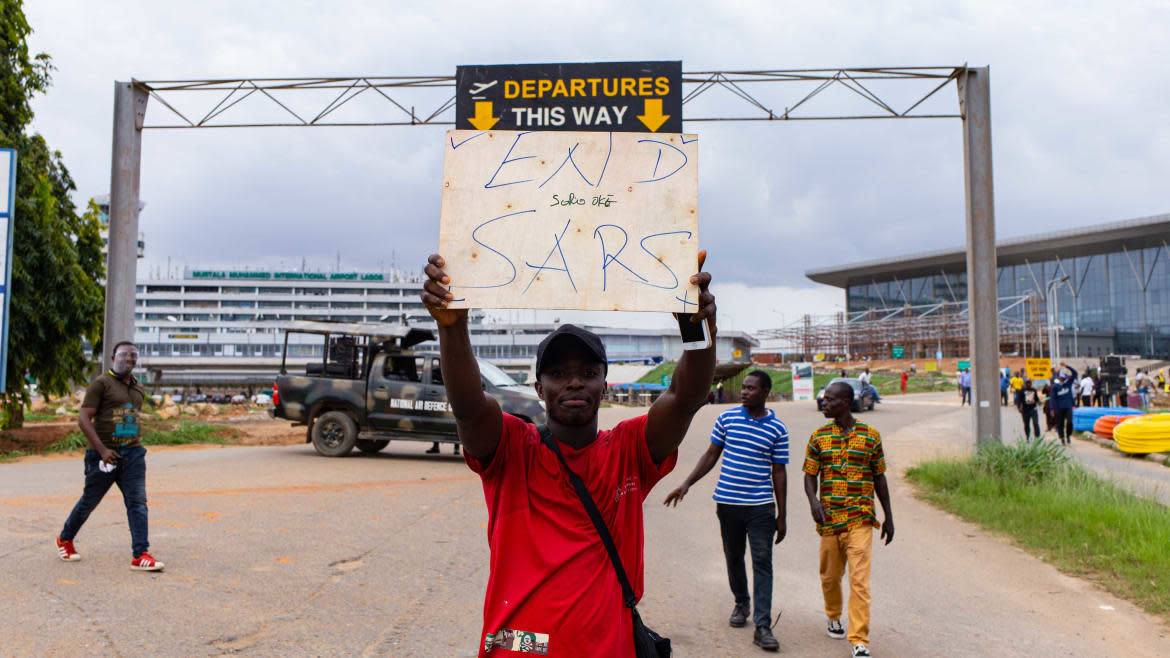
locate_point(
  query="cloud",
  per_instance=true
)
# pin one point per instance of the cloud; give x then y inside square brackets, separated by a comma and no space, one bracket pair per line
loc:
[1081,133]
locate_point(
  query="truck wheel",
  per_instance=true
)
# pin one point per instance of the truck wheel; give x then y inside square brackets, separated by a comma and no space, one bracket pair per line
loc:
[372,446]
[334,434]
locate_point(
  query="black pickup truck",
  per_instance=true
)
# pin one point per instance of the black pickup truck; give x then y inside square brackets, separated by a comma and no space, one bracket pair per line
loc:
[369,387]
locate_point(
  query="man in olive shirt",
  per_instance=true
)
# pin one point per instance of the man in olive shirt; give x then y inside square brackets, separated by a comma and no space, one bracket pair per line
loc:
[109,421]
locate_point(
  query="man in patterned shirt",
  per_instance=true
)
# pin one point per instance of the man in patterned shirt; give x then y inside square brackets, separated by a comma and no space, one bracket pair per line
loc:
[847,455]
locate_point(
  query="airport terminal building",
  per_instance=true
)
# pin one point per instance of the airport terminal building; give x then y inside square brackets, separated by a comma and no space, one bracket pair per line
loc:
[231,321]
[1110,282]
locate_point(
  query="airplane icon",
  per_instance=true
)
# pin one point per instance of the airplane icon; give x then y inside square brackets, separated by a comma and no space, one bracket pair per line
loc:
[480,87]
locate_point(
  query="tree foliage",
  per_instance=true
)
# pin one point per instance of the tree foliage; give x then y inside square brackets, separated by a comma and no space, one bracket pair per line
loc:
[57,300]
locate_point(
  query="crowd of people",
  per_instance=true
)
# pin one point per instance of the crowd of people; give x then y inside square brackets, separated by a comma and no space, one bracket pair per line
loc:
[1065,390]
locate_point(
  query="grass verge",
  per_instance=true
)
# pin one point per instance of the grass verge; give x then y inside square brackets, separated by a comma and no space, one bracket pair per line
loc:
[40,416]
[10,455]
[184,432]
[1067,516]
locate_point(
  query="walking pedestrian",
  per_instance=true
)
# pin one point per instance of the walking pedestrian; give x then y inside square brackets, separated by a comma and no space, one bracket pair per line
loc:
[905,378]
[1027,399]
[1087,390]
[750,498]
[551,572]
[1143,384]
[1049,412]
[1062,402]
[1005,383]
[866,385]
[846,456]
[1017,381]
[109,420]
[964,387]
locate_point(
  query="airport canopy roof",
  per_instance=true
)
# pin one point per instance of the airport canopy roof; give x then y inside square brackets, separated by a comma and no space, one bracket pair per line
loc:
[1130,234]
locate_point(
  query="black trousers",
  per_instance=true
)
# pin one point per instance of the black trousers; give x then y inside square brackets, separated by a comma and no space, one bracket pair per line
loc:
[755,525]
[1064,424]
[1030,415]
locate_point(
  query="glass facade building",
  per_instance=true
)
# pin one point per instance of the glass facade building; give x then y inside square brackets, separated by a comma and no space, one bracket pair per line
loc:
[1111,284]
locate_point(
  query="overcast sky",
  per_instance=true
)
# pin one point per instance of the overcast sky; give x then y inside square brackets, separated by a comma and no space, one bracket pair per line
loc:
[1080,124]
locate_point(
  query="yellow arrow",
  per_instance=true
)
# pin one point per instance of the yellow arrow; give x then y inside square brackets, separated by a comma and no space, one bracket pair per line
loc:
[483,119]
[653,117]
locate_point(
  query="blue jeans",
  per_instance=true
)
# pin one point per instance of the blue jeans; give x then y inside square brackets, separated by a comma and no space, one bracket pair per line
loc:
[130,476]
[757,525]
[966,392]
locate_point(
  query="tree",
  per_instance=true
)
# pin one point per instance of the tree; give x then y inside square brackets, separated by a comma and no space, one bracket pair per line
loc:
[57,300]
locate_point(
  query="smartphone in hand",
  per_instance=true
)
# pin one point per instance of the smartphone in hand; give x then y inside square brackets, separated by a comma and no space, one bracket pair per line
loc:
[695,335]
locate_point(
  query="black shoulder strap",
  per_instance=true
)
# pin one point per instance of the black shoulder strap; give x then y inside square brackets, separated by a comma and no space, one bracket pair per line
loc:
[594,515]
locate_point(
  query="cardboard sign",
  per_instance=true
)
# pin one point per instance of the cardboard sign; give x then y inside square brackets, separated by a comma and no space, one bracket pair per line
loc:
[570,220]
[1038,368]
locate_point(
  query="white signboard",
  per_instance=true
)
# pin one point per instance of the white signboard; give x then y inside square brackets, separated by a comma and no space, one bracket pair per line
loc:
[802,381]
[7,215]
[570,220]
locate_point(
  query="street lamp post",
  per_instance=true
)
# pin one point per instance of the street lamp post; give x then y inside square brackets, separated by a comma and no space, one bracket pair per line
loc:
[1053,327]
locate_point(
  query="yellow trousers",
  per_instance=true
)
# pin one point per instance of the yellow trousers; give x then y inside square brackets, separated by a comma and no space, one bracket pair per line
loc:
[853,548]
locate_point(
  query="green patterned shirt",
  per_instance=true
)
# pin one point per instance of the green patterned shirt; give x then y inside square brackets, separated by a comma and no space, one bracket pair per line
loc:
[847,463]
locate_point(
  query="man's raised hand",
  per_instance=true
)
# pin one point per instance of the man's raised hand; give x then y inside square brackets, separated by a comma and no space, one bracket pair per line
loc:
[435,294]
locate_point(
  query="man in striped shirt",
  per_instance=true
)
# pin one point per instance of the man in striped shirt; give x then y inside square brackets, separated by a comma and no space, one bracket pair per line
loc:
[754,445]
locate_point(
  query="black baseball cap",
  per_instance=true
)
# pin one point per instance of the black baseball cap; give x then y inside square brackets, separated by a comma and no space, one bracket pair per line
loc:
[586,338]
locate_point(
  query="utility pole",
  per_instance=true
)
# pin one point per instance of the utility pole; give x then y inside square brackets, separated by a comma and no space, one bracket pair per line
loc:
[125,174]
[982,294]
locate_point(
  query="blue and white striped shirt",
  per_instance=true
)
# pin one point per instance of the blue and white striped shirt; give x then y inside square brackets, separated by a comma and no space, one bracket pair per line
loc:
[750,447]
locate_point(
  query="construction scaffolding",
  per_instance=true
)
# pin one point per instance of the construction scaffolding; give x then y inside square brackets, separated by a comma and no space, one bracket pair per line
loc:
[922,332]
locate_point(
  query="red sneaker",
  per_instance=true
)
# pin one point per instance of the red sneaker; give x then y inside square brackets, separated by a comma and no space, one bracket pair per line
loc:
[146,562]
[66,551]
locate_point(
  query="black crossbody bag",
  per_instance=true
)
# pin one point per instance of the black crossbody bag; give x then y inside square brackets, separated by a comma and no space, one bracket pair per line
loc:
[647,643]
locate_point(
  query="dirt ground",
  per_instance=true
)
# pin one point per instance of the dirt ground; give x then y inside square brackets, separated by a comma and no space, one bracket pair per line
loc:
[247,427]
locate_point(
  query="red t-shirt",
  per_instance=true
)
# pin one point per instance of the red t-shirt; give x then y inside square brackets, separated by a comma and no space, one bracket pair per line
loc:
[552,590]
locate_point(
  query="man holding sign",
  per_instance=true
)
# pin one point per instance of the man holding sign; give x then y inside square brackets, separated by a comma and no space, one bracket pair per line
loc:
[550,575]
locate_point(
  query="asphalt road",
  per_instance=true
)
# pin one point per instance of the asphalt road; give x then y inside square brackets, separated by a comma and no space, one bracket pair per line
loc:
[274,551]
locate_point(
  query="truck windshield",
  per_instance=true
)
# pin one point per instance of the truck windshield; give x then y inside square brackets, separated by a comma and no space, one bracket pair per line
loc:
[494,375]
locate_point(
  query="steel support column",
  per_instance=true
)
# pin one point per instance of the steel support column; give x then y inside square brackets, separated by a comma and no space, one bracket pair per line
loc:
[125,173]
[983,319]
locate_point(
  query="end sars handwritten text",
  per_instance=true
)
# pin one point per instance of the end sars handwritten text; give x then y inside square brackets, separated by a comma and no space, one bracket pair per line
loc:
[570,220]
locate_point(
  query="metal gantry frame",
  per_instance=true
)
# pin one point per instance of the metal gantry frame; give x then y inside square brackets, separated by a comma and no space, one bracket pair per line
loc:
[392,95]
[396,96]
